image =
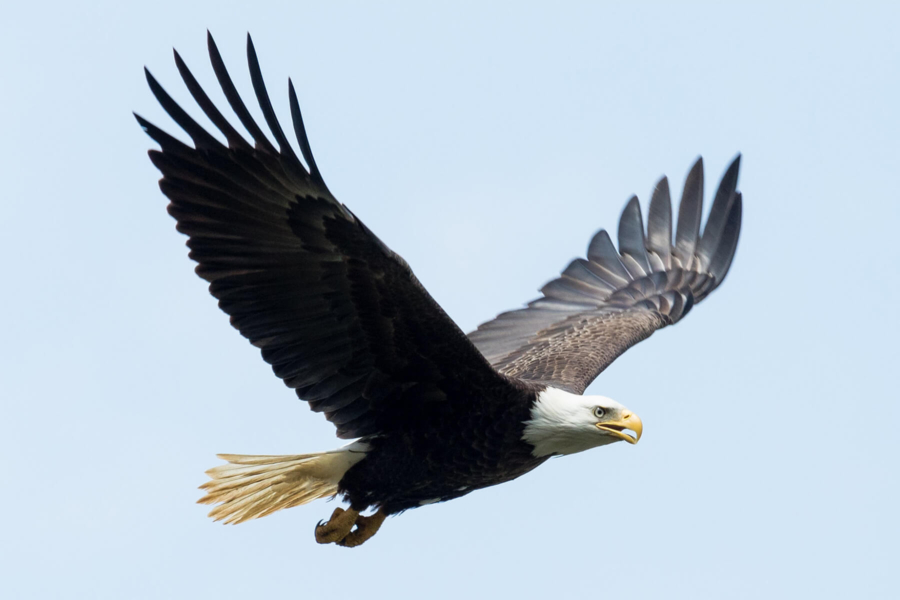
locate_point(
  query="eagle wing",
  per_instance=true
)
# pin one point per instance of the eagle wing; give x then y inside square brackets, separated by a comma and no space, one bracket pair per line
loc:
[339,316]
[600,307]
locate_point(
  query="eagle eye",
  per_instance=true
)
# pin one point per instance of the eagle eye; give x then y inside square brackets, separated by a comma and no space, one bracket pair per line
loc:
[599,412]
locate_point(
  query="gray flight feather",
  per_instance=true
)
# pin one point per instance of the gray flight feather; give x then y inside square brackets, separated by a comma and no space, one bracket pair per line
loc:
[601,306]
[659,227]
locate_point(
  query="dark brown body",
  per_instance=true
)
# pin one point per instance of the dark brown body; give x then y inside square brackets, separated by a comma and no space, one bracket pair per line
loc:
[445,455]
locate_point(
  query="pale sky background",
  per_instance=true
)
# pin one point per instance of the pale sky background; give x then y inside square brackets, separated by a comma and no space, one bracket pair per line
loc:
[485,145]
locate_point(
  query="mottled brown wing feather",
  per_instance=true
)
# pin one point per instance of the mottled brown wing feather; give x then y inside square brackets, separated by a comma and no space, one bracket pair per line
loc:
[571,353]
[338,315]
[601,306]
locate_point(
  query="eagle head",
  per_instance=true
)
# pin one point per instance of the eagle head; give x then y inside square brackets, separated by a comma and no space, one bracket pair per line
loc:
[566,423]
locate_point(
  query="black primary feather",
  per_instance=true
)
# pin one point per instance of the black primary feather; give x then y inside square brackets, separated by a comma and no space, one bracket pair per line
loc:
[235,140]
[265,105]
[234,99]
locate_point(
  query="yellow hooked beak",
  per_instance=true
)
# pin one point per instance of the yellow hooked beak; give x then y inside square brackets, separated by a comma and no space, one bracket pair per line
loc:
[617,428]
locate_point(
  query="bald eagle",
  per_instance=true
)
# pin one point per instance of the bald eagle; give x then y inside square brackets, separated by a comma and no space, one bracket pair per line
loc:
[435,414]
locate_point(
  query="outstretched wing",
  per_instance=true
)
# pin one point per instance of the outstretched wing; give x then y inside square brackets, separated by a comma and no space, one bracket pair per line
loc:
[600,307]
[338,315]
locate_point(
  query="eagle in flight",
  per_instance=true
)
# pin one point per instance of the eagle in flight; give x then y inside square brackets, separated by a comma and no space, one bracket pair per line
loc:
[434,414]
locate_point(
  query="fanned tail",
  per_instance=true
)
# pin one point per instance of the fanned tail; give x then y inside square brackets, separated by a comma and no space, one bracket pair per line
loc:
[249,487]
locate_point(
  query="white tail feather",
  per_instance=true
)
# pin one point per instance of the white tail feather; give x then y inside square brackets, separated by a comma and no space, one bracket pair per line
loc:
[249,487]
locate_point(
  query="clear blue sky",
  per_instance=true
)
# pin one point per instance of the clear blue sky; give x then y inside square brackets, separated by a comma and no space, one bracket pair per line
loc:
[486,145]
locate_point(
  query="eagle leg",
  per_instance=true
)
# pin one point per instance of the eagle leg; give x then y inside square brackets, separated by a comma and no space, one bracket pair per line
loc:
[337,527]
[366,527]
